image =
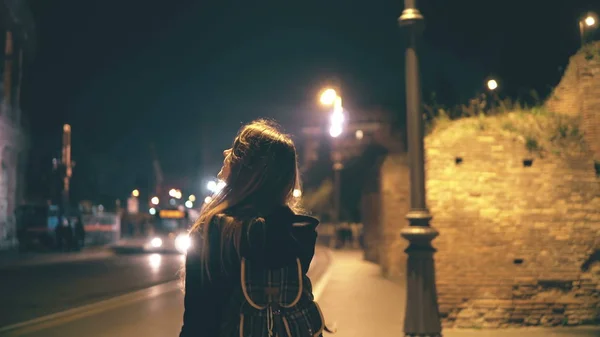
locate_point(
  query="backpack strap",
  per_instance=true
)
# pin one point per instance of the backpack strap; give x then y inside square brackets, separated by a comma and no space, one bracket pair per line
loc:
[269,306]
[304,220]
[259,307]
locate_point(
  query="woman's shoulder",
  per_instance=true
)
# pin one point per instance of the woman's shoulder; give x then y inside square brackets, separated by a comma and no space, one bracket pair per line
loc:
[292,217]
[211,226]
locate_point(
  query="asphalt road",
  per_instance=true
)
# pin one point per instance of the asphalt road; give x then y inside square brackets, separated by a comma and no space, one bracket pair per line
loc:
[156,311]
[155,317]
[30,291]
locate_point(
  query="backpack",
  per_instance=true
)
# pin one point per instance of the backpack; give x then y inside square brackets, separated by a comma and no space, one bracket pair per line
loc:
[273,303]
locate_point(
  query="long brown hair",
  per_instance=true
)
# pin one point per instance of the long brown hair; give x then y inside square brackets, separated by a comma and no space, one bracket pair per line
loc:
[263,175]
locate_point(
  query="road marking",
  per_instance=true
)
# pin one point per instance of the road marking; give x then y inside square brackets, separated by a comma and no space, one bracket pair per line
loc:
[66,316]
[321,283]
[56,258]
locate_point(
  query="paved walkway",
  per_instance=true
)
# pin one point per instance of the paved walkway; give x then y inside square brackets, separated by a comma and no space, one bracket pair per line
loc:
[359,302]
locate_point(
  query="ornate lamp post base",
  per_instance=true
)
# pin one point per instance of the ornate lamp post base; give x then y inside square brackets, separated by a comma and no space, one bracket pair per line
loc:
[422,317]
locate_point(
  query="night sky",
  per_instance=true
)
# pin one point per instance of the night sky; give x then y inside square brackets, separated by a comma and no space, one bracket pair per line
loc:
[184,74]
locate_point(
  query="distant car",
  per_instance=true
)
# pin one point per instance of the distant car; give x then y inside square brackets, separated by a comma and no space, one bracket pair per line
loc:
[170,232]
[170,242]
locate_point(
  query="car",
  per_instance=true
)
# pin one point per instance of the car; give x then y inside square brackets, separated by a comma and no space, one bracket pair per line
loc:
[178,242]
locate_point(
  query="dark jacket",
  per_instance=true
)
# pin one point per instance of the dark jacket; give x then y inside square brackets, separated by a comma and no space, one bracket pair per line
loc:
[276,242]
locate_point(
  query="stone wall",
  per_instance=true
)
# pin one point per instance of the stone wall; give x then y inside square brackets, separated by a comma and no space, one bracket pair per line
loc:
[518,244]
[395,203]
[578,93]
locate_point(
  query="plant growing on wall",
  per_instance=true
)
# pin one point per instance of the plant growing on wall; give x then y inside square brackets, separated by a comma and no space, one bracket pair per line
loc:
[542,131]
[591,51]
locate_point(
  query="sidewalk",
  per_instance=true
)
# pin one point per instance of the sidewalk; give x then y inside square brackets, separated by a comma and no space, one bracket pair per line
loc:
[359,302]
[13,258]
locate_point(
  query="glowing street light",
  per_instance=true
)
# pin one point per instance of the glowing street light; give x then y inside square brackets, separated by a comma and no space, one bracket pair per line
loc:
[192,198]
[211,185]
[207,199]
[296,193]
[328,96]
[172,192]
[492,85]
[135,193]
[152,211]
[337,118]
[335,130]
[215,186]
[154,200]
[590,21]
[189,204]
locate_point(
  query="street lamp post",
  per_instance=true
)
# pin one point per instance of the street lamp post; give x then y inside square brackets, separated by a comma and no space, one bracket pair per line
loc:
[587,23]
[330,97]
[337,168]
[422,316]
[492,85]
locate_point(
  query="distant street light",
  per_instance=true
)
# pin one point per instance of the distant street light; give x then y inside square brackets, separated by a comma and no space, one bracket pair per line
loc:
[189,204]
[172,192]
[192,198]
[135,193]
[587,24]
[215,186]
[492,85]
[211,185]
[335,130]
[207,199]
[154,200]
[590,21]
[422,317]
[328,96]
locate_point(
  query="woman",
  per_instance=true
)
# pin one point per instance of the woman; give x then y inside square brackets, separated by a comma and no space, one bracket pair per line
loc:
[251,225]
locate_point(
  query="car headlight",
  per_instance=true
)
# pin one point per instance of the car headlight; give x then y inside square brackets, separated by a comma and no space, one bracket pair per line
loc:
[156,242]
[183,242]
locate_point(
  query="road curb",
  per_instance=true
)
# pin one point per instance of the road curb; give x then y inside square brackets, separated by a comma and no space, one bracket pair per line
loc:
[321,283]
[69,315]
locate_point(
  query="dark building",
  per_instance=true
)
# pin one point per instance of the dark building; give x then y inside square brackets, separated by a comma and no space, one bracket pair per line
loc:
[16,38]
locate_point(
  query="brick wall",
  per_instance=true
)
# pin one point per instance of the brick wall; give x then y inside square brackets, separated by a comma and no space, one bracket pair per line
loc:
[517,246]
[578,93]
[395,200]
